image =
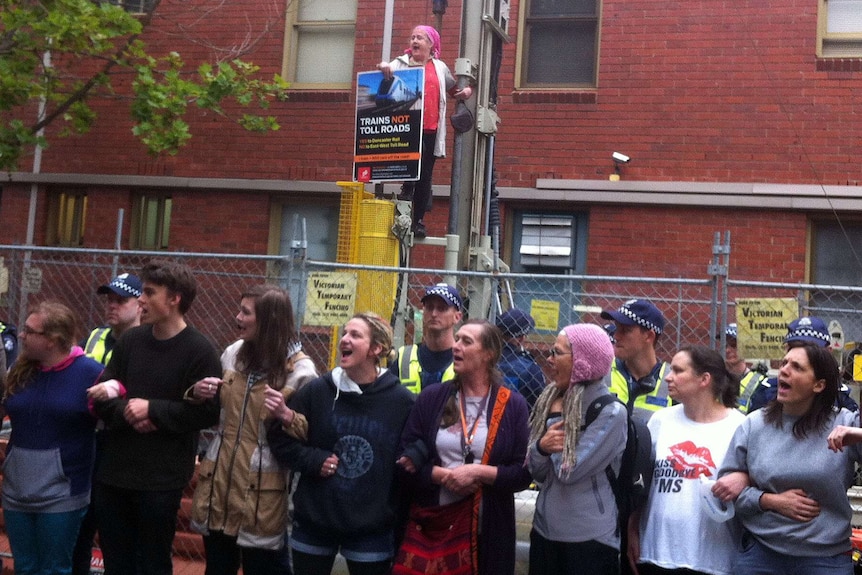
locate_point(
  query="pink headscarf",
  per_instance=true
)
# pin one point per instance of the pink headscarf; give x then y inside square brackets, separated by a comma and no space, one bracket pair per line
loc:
[434,36]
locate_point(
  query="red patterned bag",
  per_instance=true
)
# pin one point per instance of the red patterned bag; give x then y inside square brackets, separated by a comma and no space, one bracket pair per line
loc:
[437,541]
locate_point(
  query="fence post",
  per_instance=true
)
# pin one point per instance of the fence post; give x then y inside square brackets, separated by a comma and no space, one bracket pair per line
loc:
[718,271]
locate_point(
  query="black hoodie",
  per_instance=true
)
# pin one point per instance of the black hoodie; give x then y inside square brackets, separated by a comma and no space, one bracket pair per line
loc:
[363,430]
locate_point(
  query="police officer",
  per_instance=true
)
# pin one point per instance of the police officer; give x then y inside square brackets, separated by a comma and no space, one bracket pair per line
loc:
[418,366]
[802,331]
[637,376]
[122,312]
[749,380]
[521,373]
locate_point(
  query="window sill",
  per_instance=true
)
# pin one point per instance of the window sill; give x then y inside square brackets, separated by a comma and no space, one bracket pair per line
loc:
[839,64]
[555,97]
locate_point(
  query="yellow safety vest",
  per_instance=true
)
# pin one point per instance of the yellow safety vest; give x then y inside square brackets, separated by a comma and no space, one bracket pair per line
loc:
[644,405]
[95,346]
[410,371]
[747,386]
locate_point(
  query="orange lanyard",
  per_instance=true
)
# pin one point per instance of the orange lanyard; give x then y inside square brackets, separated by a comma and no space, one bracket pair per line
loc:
[467,438]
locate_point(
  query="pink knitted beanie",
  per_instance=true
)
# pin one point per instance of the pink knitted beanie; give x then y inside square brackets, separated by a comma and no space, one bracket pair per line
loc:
[434,37]
[592,352]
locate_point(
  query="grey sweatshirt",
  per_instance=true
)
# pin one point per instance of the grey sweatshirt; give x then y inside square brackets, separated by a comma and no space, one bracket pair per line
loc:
[777,461]
[580,506]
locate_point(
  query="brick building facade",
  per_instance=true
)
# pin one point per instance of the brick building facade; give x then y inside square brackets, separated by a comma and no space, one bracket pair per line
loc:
[737,116]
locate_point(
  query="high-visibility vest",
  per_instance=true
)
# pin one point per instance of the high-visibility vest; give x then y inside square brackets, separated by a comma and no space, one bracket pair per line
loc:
[95,346]
[747,386]
[643,405]
[410,371]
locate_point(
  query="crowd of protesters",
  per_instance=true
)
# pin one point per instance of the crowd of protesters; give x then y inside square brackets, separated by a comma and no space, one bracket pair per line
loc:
[408,460]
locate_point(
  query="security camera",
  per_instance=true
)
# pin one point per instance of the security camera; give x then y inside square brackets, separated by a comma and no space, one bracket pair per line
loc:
[621,158]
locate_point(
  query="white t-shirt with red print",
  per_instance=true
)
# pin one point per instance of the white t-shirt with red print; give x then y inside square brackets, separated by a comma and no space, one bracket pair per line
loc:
[675,532]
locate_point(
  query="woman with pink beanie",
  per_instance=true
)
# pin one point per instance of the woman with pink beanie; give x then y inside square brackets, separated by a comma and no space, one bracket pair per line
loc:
[575,523]
[424,50]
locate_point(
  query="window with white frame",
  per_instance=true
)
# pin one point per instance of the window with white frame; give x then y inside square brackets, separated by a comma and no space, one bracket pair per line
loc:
[320,40]
[554,27]
[840,29]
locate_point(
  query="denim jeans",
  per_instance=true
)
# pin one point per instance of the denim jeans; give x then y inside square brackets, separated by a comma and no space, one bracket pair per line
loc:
[42,543]
[136,529]
[757,559]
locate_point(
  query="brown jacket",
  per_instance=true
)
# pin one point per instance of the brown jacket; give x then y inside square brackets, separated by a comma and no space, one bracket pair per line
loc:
[241,490]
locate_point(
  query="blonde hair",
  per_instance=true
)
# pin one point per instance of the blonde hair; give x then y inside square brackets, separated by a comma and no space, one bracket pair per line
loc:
[59,324]
[381,334]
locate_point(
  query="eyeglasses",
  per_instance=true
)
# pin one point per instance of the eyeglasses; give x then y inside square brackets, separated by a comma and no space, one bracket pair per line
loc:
[30,331]
[554,352]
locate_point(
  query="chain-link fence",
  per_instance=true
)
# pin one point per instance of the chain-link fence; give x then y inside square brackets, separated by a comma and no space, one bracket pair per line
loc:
[325,294]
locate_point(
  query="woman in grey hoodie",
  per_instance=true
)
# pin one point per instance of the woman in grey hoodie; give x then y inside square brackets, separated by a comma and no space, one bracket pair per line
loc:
[794,508]
[575,524]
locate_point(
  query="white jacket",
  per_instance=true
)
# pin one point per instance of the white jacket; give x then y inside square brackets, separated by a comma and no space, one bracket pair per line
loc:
[446,82]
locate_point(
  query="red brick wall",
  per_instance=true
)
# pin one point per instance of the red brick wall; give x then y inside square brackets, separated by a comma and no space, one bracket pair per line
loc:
[678,242]
[704,91]
[698,91]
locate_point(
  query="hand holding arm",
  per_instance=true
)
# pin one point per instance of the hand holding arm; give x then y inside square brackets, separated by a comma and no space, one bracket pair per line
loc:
[466,479]
[137,414]
[729,486]
[843,436]
[106,390]
[793,504]
[207,388]
[329,467]
[274,403]
[406,464]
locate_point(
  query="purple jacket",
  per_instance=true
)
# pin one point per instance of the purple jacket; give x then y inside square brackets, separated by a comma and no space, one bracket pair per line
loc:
[497,516]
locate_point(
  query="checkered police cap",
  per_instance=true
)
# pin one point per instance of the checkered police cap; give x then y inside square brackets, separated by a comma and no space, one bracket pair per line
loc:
[638,312]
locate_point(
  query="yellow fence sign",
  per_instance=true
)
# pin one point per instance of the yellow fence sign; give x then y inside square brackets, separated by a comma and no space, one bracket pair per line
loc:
[330,298]
[761,326]
[546,313]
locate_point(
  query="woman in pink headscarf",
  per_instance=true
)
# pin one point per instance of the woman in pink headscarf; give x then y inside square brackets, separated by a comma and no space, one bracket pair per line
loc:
[424,50]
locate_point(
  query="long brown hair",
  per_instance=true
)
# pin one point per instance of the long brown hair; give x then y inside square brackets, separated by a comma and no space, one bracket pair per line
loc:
[60,324]
[491,339]
[276,334]
[825,367]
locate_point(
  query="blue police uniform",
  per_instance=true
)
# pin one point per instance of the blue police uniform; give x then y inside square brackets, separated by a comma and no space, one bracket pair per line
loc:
[521,373]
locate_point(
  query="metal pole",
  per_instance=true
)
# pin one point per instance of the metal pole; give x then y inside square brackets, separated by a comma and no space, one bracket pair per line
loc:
[388,16]
[117,240]
[34,196]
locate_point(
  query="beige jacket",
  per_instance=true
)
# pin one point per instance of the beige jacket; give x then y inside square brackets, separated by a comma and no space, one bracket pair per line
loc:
[241,490]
